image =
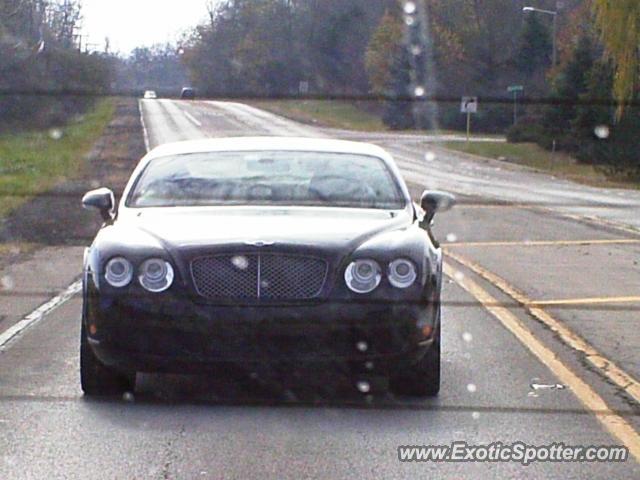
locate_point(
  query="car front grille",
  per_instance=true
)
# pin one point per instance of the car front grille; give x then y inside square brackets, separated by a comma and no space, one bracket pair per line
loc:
[259,277]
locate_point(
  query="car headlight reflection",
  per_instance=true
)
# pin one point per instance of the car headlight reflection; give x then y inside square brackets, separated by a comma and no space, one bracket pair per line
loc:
[363,276]
[156,275]
[402,273]
[119,272]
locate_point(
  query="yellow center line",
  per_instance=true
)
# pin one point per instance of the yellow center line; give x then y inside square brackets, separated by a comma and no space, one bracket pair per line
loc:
[585,301]
[614,423]
[544,243]
[603,364]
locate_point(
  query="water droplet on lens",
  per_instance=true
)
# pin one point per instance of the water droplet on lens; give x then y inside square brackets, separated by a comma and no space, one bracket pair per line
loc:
[452,237]
[475,415]
[240,262]
[602,132]
[369,365]
[55,134]
[419,91]
[430,156]
[409,8]
[471,388]
[363,387]
[6,282]
[416,50]
[467,337]
[409,21]
[128,397]
[362,346]
[533,395]
[459,276]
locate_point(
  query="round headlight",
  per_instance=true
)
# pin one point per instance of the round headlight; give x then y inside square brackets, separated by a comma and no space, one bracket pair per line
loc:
[156,275]
[119,272]
[402,273]
[363,276]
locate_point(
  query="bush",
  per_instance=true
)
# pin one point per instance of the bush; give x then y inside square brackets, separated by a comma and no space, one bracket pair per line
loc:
[527,130]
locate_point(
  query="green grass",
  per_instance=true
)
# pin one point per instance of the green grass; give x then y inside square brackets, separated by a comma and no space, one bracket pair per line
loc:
[534,156]
[33,162]
[328,113]
[359,116]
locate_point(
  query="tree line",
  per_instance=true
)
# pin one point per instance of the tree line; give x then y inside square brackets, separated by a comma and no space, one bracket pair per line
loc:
[443,49]
[40,52]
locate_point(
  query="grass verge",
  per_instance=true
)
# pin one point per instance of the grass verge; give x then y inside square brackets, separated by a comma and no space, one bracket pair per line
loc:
[534,156]
[328,113]
[33,162]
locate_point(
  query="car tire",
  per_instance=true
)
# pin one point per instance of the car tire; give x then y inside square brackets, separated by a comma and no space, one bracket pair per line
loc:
[96,379]
[423,378]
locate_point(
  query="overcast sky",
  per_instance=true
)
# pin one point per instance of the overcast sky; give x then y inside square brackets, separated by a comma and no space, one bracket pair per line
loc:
[133,23]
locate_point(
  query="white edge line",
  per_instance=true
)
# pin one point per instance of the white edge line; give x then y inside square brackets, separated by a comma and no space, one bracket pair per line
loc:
[145,132]
[38,314]
[43,310]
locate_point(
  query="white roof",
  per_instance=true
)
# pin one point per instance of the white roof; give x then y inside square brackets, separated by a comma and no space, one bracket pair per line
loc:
[239,144]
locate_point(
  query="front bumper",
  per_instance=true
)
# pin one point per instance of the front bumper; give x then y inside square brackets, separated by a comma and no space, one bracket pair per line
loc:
[170,334]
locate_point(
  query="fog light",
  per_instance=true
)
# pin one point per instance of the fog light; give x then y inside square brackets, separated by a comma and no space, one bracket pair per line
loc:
[363,387]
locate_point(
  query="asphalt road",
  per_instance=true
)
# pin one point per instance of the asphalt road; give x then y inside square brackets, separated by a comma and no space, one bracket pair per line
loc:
[543,290]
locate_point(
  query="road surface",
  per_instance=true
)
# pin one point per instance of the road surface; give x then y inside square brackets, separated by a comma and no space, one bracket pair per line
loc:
[540,345]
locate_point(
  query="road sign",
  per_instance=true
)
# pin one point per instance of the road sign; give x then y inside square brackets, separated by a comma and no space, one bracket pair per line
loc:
[515,88]
[469,105]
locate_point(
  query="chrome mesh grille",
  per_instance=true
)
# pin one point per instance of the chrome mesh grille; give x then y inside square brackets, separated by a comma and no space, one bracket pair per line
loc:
[259,276]
[226,276]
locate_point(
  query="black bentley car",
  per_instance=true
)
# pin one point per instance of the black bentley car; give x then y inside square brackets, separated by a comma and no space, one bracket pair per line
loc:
[263,251]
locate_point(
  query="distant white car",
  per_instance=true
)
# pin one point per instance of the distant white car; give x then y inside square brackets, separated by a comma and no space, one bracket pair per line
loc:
[150,95]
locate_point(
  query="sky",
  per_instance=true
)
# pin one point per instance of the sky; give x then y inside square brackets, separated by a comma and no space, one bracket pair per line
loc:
[133,23]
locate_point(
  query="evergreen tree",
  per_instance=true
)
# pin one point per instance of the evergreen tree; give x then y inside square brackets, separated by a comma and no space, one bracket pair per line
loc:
[535,46]
[617,152]
[569,85]
[398,112]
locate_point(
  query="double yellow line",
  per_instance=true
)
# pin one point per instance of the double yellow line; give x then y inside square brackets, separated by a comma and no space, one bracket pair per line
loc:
[613,422]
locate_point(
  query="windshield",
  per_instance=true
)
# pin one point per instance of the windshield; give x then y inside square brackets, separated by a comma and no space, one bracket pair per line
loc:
[267,178]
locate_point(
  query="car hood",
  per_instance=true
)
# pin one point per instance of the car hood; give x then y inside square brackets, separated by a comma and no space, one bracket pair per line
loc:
[201,227]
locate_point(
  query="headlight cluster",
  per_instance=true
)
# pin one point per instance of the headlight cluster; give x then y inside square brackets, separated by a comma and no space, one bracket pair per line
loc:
[364,276]
[155,275]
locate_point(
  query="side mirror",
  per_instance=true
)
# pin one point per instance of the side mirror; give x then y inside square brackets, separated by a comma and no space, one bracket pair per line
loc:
[433,202]
[101,199]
